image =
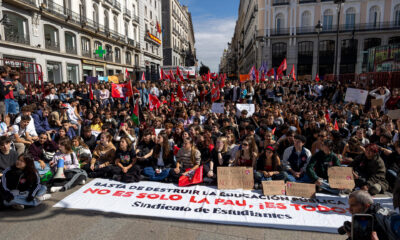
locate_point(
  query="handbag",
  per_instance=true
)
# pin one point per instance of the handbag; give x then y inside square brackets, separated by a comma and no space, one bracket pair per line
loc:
[194,177]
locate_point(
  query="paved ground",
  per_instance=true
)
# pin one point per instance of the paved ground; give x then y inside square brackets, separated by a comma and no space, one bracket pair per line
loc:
[46,222]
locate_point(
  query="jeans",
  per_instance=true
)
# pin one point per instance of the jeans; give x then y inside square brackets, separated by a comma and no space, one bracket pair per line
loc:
[259,177]
[11,106]
[40,170]
[20,199]
[301,179]
[151,173]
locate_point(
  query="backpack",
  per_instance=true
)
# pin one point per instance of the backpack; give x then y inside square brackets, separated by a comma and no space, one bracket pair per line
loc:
[389,221]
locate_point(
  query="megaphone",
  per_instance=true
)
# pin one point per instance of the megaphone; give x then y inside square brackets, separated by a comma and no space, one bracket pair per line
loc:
[60,170]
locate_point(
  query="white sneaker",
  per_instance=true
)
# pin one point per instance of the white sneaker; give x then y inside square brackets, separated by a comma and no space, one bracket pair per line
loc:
[83,182]
[44,197]
[55,189]
[18,207]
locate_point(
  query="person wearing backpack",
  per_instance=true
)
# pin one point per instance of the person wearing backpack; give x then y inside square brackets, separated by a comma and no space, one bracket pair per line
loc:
[73,174]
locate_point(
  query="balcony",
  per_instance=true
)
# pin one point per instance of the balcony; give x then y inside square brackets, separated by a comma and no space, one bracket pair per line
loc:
[71,50]
[128,61]
[117,5]
[174,30]
[280,2]
[127,12]
[86,53]
[108,58]
[135,18]
[280,31]
[17,38]
[52,45]
[307,1]
[138,46]
[117,59]
[30,2]
[131,42]
[109,2]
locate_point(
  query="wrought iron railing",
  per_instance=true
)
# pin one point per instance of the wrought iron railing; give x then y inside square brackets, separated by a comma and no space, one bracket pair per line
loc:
[280,2]
[86,53]
[16,38]
[127,12]
[52,45]
[71,49]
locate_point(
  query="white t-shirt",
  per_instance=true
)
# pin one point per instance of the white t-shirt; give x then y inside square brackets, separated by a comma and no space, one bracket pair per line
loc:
[16,129]
[30,128]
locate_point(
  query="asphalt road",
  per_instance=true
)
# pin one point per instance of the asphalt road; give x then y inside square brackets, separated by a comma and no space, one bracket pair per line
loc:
[45,222]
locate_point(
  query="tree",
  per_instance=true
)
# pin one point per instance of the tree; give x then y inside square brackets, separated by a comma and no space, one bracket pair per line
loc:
[203,69]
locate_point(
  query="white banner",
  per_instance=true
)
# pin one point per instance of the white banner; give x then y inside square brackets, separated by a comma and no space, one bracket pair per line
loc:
[249,107]
[201,203]
[355,95]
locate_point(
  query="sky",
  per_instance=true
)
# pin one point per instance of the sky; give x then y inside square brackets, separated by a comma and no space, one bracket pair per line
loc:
[213,22]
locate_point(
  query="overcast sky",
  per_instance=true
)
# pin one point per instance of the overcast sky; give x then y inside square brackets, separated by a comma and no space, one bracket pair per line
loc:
[214,22]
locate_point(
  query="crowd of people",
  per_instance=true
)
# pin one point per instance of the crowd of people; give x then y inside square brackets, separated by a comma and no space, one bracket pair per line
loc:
[297,131]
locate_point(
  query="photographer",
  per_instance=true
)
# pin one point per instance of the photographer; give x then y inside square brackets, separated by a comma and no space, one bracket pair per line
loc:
[361,202]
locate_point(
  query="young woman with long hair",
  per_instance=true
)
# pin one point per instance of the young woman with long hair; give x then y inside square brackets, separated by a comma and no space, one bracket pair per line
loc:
[81,150]
[248,153]
[269,166]
[188,157]
[125,169]
[21,185]
[219,158]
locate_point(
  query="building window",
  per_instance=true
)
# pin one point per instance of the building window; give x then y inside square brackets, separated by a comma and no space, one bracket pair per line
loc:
[128,58]
[279,22]
[85,44]
[95,14]
[306,19]
[305,58]
[278,53]
[145,11]
[394,40]
[108,56]
[151,15]
[106,20]
[54,72]
[82,9]
[96,46]
[134,33]
[116,23]
[72,73]
[136,60]
[348,56]
[350,18]
[126,28]
[17,31]
[51,38]
[326,57]
[397,15]
[369,43]
[374,16]
[70,43]
[117,55]
[328,20]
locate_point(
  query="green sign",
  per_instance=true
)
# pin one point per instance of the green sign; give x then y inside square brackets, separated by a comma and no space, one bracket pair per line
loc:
[100,51]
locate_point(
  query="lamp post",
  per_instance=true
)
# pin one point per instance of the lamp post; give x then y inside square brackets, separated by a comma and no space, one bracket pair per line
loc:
[339,8]
[318,28]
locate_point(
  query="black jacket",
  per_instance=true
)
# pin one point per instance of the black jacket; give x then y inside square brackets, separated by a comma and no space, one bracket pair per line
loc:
[14,179]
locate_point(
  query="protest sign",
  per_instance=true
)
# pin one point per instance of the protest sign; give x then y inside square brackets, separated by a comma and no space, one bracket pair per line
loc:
[218,107]
[273,188]
[235,178]
[300,189]
[394,114]
[341,177]
[158,130]
[325,213]
[249,107]
[376,102]
[355,95]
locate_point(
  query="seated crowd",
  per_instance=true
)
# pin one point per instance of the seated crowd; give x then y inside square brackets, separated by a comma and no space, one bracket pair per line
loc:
[298,130]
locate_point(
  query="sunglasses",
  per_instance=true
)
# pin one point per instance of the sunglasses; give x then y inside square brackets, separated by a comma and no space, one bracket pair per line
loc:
[245,144]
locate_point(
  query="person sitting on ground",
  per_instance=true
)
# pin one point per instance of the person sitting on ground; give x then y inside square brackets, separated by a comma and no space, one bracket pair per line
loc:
[8,157]
[317,168]
[247,156]
[219,158]
[103,158]
[81,150]
[269,167]
[42,152]
[21,185]
[125,169]
[73,174]
[89,138]
[295,159]
[41,122]
[144,150]
[188,160]
[162,160]
[30,129]
[369,171]
[21,137]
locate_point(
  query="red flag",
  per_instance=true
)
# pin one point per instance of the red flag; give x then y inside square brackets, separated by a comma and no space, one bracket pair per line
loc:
[179,92]
[203,77]
[257,76]
[292,73]
[143,77]
[273,131]
[336,127]
[188,76]
[172,98]
[282,68]
[262,79]
[128,89]
[154,102]
[317,78]
[179,73]
[171,76]
[215,94]
[126,73]
[90,92]
[327,117]
[271,72]
[162,77]
[208,77]
[222,82]
[121,90]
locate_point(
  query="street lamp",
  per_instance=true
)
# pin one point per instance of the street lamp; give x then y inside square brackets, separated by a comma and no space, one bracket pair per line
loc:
[318,28]
[339,8]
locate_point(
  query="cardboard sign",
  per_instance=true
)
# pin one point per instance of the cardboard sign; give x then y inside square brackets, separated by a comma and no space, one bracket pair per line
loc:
[355,95]
[249,107]
[376,102]
[274,188]
[218,108]
[300,189]
[235,178]
[341,177]
[394,114]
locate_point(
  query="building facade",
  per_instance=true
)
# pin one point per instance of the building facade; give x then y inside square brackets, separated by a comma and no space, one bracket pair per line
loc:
[286,29]
[67,37]
[178,35]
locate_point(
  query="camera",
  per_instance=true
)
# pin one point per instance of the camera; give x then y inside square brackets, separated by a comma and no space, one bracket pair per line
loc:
[345,228]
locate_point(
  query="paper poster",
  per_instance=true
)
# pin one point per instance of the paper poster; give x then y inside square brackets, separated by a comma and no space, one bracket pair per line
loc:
[355,95]
[235,178]
[341,177]
[300,189]
[218,108]
[249,107]
[274,188]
